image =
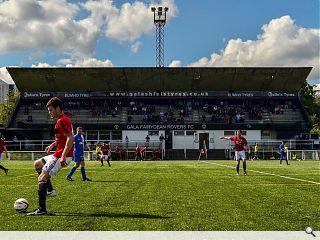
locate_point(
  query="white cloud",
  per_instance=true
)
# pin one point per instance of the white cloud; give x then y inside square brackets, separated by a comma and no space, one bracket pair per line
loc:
[100,10]
[134,20]
[175,63]
[77,62]
[42,65]
[36,55]
[5,76]
[281,43]
[135,47]
[85,62]
[127,23]
[73,62]
[35,25]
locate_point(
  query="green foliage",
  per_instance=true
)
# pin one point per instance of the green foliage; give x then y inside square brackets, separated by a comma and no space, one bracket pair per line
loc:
[168,196]
[311,103]
[315,130]
[317,100]
[315,118]
[7,108]
[307,96]
[317,108]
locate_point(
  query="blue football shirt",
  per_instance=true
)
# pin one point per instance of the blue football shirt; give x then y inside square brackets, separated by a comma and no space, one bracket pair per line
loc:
[79,143]
[281,147]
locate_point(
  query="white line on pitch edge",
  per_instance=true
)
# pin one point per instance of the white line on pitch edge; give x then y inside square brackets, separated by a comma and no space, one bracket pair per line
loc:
[266,173]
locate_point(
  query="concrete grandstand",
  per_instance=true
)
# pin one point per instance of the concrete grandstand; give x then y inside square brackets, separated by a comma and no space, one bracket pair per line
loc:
[188,106]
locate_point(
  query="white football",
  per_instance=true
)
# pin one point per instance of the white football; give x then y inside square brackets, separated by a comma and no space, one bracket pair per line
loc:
[21,205]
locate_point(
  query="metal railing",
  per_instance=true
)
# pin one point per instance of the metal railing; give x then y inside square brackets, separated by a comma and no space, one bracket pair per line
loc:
[40,145]
[269,149]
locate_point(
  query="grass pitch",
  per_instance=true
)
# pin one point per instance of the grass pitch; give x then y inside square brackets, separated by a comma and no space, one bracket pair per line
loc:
[168,196]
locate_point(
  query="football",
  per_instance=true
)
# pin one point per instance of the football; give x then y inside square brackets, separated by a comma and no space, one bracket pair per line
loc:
[21,205]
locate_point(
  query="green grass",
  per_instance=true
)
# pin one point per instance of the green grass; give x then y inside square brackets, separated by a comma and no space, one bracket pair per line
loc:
[168,195]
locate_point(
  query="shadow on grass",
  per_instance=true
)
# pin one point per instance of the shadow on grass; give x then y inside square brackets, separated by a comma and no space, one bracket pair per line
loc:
[108,215]
[102,181]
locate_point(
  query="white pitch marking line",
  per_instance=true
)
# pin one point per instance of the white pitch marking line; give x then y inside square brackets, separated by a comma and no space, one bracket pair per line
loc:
[272,174]
[33,174]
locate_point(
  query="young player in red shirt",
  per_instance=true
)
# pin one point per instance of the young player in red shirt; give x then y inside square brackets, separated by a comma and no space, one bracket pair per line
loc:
[139,153]
[106,153]
[3,148]
[240,144]
[49,166]
[157,154]
[117,152]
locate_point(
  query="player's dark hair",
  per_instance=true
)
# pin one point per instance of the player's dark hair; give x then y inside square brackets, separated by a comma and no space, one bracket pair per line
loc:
[55,102]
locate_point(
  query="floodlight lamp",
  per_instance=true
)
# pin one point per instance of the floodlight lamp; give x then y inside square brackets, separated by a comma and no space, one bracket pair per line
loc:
[166,9]
[153,9]
[159,9]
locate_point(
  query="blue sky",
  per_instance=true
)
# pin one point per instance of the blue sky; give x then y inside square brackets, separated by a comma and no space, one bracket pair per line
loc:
[198,33]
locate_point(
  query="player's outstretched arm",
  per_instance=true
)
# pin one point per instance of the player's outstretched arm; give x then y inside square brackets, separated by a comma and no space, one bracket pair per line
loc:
[222,137]
[50,147]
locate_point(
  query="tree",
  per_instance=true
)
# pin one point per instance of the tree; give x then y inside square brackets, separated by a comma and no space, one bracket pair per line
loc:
[307,95]
[7,108]
[311,103]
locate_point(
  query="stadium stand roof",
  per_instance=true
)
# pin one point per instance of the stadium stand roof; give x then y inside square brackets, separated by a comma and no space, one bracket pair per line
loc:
[160,79]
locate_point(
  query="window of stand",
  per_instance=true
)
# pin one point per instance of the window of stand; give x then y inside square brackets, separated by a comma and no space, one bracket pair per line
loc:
[104,135]
[92,135]
[153,133]
[116,135]
[265,134]
[179,133]
[233,133]
[228,133]
[190,133]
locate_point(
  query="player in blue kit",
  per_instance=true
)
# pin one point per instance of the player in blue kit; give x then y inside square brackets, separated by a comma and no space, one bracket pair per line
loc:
[79,145]
[283,154]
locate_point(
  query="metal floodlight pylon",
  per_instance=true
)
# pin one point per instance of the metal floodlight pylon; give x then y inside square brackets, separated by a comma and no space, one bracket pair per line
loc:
[159,19]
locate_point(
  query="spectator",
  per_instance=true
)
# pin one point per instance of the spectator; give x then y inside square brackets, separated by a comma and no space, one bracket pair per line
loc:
[29,118]
[157,154]
[161,138]
[250,153]
[127,142]
[3,148]
[123,154]
[256,151]
[203,118]
[117,152]
[15,143]
[238,118]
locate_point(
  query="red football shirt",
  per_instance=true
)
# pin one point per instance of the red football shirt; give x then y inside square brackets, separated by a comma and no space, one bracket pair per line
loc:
[239,143]
[2,144]
[63,126]
[138,150]
[117,149]
[105,149]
